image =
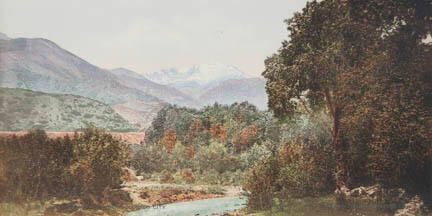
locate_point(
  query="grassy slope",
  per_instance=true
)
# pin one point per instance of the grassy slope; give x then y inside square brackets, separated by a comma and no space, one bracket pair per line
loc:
[24,109]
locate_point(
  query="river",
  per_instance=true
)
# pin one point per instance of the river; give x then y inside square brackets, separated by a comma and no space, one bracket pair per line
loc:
[201,207]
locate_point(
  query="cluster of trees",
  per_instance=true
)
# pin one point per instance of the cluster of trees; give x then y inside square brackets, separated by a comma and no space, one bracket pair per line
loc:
[367,66]
[214,145]
[34,167]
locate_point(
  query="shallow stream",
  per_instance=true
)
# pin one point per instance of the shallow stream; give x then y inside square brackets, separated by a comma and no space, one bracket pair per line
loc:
[197,207]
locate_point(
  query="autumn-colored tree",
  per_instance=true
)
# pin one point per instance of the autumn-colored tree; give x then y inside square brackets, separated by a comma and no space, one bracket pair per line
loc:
[169,140]
[98,163]
[246,138]
[195,128]
[218,132]
[189,151]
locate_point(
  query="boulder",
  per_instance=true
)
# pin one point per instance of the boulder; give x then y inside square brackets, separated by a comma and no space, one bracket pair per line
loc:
[413,208]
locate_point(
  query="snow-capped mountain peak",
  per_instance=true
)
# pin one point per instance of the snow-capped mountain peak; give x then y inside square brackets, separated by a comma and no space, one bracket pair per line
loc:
[202,74]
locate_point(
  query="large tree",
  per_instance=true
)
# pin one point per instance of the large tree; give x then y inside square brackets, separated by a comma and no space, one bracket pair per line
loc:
[334,60]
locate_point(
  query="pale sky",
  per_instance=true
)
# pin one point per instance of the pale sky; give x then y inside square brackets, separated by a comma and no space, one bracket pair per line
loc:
[150,35]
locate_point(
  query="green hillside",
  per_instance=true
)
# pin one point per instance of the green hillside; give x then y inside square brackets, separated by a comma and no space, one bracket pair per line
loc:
[24,109]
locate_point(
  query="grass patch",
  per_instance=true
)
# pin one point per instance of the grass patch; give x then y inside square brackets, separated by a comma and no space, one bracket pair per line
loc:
[321,206]
[13,209]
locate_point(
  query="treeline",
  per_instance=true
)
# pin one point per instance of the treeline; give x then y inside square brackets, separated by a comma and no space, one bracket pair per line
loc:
[34,167]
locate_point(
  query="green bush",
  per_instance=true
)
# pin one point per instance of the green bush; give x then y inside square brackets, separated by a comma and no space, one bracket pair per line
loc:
[301,167]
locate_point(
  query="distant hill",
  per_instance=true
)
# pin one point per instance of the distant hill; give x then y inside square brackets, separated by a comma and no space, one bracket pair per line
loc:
[138,113]
[236,90]
[166,93]
[22,109]
[41,65]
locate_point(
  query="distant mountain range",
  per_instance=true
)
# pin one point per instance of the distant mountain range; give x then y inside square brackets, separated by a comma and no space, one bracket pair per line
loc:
[22,109]
[210,83]
[223,90]
[204,74]
[41,65]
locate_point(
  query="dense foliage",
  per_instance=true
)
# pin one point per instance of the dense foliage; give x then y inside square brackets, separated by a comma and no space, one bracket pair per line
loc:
[302,166]
[239,145]
[213,145]
[35,167]
[366,64]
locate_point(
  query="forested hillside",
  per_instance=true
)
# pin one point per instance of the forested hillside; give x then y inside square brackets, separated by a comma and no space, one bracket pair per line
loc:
[22,110]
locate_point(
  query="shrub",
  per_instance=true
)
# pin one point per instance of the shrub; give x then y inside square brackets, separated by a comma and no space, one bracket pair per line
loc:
[167,177]
[188,176]
[98,161]
[34,167]
[150,159]
[305,170]
[302,167]
[32,164]
[260,184]
[210,176]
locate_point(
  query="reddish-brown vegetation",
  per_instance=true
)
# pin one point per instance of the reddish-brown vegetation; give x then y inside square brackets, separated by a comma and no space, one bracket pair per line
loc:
[194,129]
[218,132]
[131,138]
[246,138]
[169,140]
[171,195]
[188,176]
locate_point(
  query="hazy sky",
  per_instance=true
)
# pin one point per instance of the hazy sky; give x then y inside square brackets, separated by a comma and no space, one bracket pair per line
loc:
[149,35]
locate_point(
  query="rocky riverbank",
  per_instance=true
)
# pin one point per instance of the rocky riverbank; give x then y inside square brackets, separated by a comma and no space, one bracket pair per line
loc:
[132,196]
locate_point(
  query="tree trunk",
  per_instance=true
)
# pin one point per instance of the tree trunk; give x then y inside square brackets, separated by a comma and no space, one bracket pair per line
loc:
[341,172]
[341,176]
[341,169]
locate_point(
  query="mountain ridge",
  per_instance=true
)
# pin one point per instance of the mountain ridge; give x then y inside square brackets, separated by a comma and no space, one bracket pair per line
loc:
[41,65]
